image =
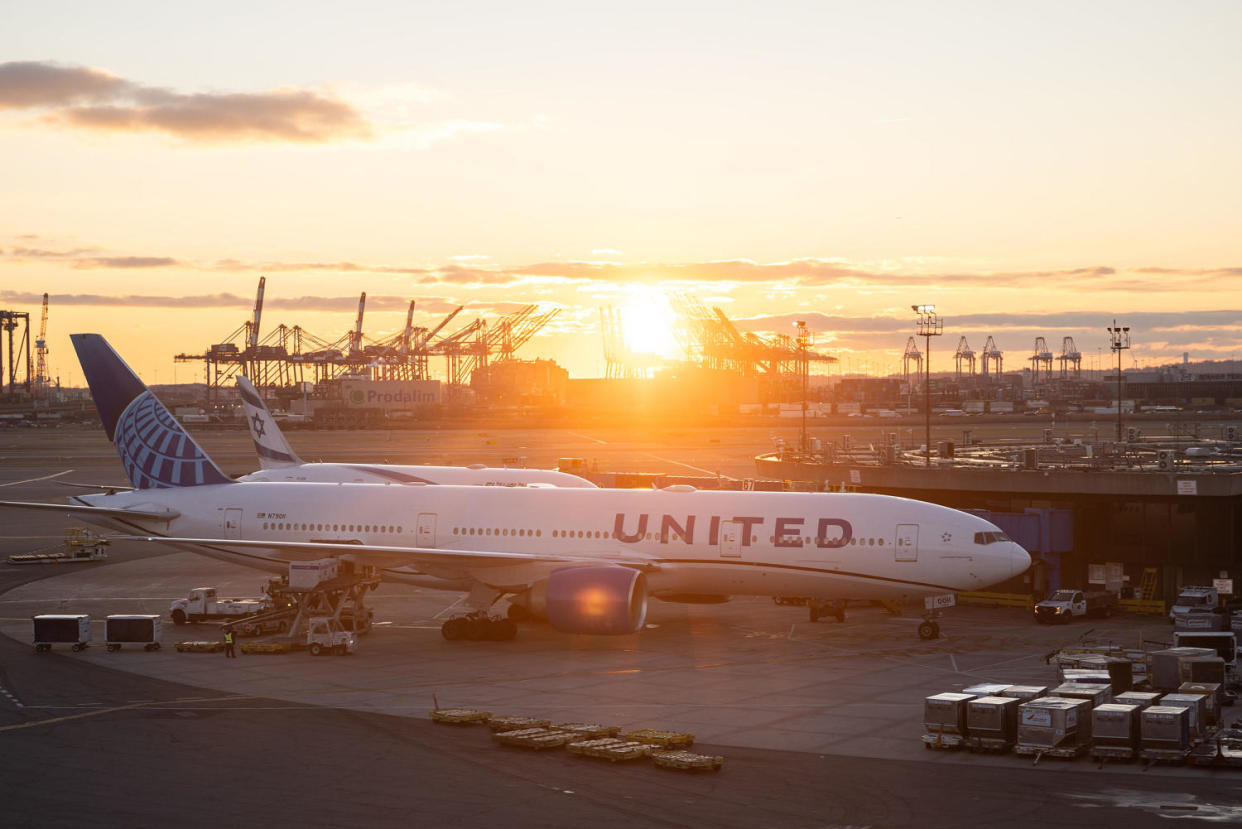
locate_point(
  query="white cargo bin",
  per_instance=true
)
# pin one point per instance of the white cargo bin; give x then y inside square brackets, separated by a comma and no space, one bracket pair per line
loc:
[1051,722]
[993,718]
[987,689]
[1166,728]
[1196,704]
[946,713]
[1024,692]
[1116,725]
[61,629]
[1095,694]
[1212,691]
[307,575]
[132,629]
[1143,699]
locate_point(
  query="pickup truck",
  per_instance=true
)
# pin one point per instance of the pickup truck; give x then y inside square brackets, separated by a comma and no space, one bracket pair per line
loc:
[203,605]
[1064,605]
[1193,600]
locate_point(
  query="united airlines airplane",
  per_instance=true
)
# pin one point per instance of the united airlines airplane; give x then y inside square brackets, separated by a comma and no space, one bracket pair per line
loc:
[587,559]
[279,462]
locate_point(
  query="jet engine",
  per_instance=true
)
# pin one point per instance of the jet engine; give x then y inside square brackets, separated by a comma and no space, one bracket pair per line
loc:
[599,600]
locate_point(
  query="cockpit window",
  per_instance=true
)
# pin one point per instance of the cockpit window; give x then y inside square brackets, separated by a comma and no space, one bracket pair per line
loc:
[990,537]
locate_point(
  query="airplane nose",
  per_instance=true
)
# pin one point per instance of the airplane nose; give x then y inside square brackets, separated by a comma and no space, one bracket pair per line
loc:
[1020,560]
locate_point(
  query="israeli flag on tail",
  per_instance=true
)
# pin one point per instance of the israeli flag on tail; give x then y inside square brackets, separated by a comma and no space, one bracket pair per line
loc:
[155,449]
[269,441]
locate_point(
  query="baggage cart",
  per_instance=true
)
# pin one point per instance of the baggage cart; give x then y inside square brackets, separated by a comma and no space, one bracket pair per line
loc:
[1024,692]
[459,716]
[132,629]
[611,748]
[61,629]
[1197,705]
[686,761]
[535,739]
[585,731]
[1165,733]
[944,720]
[662,739]
[213,646]
[1115,731]
[1053,727]
[516,723]
[992,723]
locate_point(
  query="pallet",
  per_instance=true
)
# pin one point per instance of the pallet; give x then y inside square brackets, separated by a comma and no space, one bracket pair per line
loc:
[536,739]
[266,647]
[990,745]
[686,761]
[587,731]
[663,739]
[199,647]
[516,723]
[459,716]
[611,748]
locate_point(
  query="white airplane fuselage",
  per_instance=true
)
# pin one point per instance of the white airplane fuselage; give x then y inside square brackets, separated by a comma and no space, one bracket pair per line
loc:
[690,542]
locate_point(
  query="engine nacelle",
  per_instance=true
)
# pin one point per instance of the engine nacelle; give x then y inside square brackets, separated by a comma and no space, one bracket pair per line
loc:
[599,600]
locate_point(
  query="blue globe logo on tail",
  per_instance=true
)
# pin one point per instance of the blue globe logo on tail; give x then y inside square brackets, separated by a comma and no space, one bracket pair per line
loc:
[157,452]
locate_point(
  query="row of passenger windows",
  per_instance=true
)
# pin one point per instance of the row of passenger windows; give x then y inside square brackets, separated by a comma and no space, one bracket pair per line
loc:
[523,533]
[333,528]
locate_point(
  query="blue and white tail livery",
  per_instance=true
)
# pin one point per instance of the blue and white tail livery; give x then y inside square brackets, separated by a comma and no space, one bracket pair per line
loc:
[269,442]
[154,448]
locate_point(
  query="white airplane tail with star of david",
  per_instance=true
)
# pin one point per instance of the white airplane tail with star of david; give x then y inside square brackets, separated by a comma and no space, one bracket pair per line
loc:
[274,451]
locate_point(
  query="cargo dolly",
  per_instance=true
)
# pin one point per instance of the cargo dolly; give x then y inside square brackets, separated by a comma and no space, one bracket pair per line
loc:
[80,545]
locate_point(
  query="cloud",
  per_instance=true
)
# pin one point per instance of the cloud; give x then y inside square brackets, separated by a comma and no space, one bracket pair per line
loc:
[88,98]
[344,304]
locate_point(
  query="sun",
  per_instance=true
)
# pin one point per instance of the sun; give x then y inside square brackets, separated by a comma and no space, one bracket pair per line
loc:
[647,321]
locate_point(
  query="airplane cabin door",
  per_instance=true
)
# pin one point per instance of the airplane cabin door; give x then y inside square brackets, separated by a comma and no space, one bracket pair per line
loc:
[426,529]
[907,546]
[730,539]
[232,522]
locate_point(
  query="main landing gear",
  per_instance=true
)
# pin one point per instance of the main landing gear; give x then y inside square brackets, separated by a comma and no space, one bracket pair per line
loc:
[479,627]
[929,628]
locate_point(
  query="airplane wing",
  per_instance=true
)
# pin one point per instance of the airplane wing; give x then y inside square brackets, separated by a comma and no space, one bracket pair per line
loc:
[487,565]
[105,512]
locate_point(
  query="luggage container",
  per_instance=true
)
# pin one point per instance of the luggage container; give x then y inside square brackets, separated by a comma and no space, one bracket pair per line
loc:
[1025,692]
[122,629]
[944,718]
[1214,692]
[1165,668]
[1054,726]
[1143,699]
[1197,704]
[1094,694]
[61,629]
[1086,676]
[992,723]
[1115,731]
[986,689]
[1205,669]
[1166,733]
[307,575]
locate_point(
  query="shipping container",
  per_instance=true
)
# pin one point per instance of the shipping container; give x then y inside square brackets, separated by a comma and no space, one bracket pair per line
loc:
[993,719]
[1143,699]
[134,629]
[1196,704]
[1166,728]
[306,575]
[61,629]
[1116,725]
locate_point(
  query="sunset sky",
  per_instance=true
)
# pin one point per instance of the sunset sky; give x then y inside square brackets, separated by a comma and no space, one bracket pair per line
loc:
[1031,169]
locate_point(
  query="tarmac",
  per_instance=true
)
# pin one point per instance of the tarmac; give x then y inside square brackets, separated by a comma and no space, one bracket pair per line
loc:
[819,723]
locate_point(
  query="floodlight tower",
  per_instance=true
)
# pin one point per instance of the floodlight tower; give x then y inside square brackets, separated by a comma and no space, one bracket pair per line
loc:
[804,368]
[1119,341]
[927,325]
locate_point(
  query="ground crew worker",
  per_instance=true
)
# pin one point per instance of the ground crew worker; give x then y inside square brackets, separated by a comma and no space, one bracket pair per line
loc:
[228,643]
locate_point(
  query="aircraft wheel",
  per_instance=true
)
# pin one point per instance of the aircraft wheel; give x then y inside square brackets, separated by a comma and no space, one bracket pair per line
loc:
[478,629]
[929,630]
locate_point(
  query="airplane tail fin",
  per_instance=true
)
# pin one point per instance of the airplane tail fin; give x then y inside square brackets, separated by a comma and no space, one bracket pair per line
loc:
[269,442]
[154,448]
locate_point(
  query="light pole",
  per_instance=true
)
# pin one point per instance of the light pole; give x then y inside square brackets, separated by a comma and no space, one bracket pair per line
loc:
[804,366]
[1119,341]
[928,325]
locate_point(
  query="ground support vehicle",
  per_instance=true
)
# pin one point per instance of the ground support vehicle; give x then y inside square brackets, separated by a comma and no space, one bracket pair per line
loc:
[1193,598]
[203,605]
[325,635]
[61,629]
[132,629]
[261,624]
[1061,752]
[1225,749]
[80,545]
[1067,604]
[324,616]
